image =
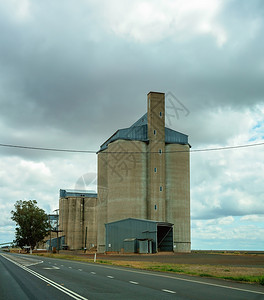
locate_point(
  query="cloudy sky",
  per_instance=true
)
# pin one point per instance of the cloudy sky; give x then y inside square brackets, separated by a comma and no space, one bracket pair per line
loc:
[73,72]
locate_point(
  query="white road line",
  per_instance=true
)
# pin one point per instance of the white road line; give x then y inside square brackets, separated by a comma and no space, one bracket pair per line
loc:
[80,269]
[183,279]
[49,281]
[133,282]
[26,261]
[70,267]
[93,273]
[110,276]
[168,291]
[33,264]
[52,268]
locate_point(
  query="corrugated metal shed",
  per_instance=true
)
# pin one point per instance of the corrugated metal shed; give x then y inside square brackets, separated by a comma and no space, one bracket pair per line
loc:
[119,231]
[54,243]
[77,193]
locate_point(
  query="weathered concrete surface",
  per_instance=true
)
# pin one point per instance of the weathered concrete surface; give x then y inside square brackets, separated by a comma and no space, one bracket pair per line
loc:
[156,157]
[77,213]
[178,195]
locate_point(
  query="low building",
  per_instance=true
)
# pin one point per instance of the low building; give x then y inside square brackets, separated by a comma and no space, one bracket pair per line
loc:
[139,236]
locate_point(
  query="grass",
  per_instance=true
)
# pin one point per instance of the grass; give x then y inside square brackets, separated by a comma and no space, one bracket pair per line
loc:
[242,274]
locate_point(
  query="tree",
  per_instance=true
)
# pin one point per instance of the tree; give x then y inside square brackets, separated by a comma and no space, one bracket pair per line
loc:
[32,223]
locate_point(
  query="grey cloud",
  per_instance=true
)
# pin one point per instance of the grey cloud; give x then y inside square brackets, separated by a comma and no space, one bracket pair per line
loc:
[68,82]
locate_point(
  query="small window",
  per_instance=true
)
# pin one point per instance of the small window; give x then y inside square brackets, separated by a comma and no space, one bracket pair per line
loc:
[155,207]
[160,114]
[155,170]
[154,132]
[160,151]
[160,188]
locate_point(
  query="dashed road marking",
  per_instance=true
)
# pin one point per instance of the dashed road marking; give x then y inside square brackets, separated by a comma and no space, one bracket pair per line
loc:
[133,282]
[93,273]
[181,279]
[109,276]
[52,268]
[70,267]
[80,269]
[168,291]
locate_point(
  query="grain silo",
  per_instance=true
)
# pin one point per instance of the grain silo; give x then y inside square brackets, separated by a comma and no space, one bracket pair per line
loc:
[77,218]
[144,173]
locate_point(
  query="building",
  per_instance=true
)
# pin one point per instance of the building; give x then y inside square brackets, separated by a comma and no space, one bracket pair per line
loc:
[143,173]
[77,218]
[139,236]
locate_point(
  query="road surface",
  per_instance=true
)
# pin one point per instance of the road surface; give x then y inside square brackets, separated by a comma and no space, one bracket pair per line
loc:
[32,277]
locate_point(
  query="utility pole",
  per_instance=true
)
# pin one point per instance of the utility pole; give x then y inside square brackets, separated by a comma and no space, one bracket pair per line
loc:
[85,239]
[50,235]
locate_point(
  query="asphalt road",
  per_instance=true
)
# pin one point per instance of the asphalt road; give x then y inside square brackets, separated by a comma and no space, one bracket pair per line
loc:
[31,277]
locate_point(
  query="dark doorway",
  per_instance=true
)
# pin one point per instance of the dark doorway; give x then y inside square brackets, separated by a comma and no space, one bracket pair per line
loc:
[165,237]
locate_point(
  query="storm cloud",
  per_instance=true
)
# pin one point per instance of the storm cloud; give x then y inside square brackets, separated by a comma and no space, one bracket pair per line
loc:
[73,73]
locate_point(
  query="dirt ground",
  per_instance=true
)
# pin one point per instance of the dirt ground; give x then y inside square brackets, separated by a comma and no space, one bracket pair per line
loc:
[200,258]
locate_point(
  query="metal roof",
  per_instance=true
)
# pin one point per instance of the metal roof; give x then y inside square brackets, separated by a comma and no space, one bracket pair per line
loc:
[77,193]
[139,132]
[175,137]
[143,220]
[136,133]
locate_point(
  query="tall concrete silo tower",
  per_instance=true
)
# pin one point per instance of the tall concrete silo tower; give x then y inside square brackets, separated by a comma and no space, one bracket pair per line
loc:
[143,173]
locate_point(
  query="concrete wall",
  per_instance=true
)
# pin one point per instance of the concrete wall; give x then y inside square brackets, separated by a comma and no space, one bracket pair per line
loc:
[178,195]
[90,222]
[102,191]
[77,213]
[63,217]
[122,184]
[156,159]
[127,180]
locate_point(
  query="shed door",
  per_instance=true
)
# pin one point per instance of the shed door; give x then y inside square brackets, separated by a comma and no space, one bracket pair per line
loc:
[165,238]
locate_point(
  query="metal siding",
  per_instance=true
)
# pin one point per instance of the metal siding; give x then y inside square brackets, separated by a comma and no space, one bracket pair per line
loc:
[117,232]
[77,193]
[130,245]
[175,137]
[54,242]
[137,133]
[143,246]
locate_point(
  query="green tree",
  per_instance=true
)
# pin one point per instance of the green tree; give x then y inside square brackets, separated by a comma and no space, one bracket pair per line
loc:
[31,221]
